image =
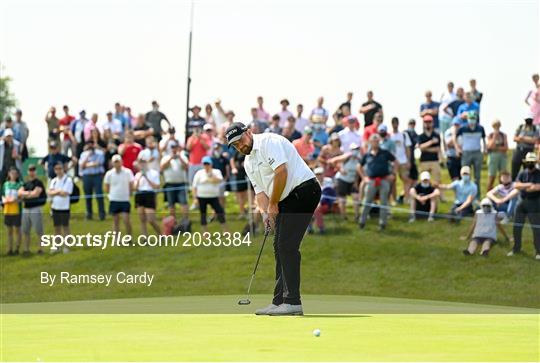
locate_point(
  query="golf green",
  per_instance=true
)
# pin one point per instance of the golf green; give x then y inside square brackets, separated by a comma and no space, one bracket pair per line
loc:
[491,334]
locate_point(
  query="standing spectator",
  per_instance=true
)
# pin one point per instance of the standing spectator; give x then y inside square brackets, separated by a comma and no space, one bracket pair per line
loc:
[129,151]
[339,119]
[304,145]
[301,122]
[10,154]
[165,143]
[260,124]
[261,113]
[206,190]
[403,155]
[503,195]
[347,179]
[77,132]
[54,157]
[413,136]
[90,126]
[53,124]
[386,143]
[131,119]
[154,118]
[328,152]
[60,189]
[142,130]
[145,184]
[497,147]
[452,108]
[453,160]
[34,196]
[466,108]
[113,127]
[429,144]
[120,116]
[533,100]
[529,99]
[447,97]
[289,131]
[349,135]
[197,145]
[528,183]
[369,109]
[424,198]
[466,191]
[274,127]
[225,118]
[238,181]
[209,115]
[221,160]
[430,108]
[477,95]
[472,147]
[12,210]
[21,133]
[151,154]
[174,168]
[284,114]
[372,128]
[319,115]
[65,124]
[118,184]
[91,166]
[375,170]
[196,121]
[347,103]
[484,229]
[526,137]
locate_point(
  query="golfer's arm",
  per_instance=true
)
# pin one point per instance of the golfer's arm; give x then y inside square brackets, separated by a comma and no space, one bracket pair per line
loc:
[262,201]
[280,179]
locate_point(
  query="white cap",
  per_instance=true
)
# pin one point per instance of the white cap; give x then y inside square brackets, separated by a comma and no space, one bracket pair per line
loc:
[465,170]
[486,202]
[116,158]
[144,155]
[318,170]
[8,132]
[208,127]
[425,175]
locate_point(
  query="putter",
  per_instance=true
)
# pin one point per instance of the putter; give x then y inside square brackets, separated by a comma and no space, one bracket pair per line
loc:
[246,301]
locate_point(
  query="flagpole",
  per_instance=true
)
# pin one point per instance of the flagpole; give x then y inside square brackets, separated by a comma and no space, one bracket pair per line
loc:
[189,70]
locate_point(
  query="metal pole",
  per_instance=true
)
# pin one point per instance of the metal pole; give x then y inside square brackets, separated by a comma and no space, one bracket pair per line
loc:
[189,70]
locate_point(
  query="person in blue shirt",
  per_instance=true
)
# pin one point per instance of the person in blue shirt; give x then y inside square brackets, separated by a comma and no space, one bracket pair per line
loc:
[465,191]
[431,108]
[468,106]
[472,147]
[54,157]
[92,168]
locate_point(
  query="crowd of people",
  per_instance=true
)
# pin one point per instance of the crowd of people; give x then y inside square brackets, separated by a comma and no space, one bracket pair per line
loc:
[355,157]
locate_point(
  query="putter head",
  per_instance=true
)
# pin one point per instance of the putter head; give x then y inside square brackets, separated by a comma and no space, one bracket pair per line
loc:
[244,302]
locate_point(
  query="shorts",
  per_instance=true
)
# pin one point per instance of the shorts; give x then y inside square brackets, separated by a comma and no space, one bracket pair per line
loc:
[222,189]
[454,166]
[60,217]
[481,240]
[116,207]
[434,169]
[177,194]
[344,188]
[413,172]
[496,163]
[403,171]
[145,199]
[12,220]
[423,208]
[32,217]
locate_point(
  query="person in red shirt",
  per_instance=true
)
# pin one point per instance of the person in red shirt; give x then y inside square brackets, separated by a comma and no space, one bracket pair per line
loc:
[372,129]
[129,150]
[304,145]
[65,125]
[198,146]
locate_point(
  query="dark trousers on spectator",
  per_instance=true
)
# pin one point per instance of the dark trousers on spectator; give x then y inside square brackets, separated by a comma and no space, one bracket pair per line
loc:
[517,160]
[93,184]
[216,206]
[527,208]
[295,213]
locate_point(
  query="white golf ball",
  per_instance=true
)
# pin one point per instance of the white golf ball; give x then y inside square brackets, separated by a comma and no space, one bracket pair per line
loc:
[317,333]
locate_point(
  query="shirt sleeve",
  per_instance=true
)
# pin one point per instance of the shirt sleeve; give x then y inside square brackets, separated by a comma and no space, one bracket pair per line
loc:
[253,179]
[131,176]
[68,186]
[274,153]
[218,174]
[474,190]
[408,141]
[107,178]
[453,184]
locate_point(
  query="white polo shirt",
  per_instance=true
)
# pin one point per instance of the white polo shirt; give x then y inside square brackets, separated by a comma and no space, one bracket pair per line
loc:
[270,151]
[119,183]
[347,137]
[60,202]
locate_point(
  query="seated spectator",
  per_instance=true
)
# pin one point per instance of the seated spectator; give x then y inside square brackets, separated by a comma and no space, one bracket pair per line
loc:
[375,172]
[484,229]
[466,191]
[328,200]
[145,184]
[505,201]
[424,198]
[60,189]
[12,211]
[206,189]
[304,145]
[328,152]
[347,179]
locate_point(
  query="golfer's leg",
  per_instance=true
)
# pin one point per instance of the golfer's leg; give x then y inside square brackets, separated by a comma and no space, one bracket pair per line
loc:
[278,287]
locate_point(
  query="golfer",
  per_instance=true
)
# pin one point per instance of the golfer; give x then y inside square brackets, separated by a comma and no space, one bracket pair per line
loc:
[287,192]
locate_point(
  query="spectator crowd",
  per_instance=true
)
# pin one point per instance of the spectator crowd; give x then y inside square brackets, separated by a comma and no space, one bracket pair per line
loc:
[356,158]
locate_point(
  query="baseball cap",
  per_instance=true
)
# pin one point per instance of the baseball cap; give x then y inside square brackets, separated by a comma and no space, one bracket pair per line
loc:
[82,112]
[308,130]
[334,136]
[234,132]
[465,170]
[425,175]
[318,170]
[529,116]
[207,160]
[471,115]
[116,158]
[207,127]
[8,132]
[486,202]
[382,127]
[351,118]
[530,158]
[456,121]
[427,118]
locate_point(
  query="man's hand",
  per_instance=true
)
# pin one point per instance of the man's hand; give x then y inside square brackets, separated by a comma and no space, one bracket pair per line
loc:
[272,212]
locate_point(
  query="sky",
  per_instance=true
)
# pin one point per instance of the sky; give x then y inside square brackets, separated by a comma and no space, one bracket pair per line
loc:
[89,54]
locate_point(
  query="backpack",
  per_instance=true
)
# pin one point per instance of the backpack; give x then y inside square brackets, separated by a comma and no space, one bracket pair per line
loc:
[183,226]
[75,194]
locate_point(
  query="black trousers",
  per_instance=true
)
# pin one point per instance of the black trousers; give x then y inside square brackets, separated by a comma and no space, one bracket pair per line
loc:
[214,203]
[517,160]
[527,208]
[295,213]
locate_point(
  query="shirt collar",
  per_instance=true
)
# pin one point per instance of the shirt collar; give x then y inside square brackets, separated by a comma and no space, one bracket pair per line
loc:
[256,142]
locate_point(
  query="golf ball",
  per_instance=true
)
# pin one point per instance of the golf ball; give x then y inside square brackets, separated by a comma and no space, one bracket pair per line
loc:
[317,333]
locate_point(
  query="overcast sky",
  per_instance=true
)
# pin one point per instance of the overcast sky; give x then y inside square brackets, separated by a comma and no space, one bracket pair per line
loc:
[91,54]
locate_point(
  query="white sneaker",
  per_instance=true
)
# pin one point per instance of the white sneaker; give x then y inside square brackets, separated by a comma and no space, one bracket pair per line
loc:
[65,250]
[537,257]
[54,250]
[505,220]
[286,309]
[265,310]
[510,254]
[430,218]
